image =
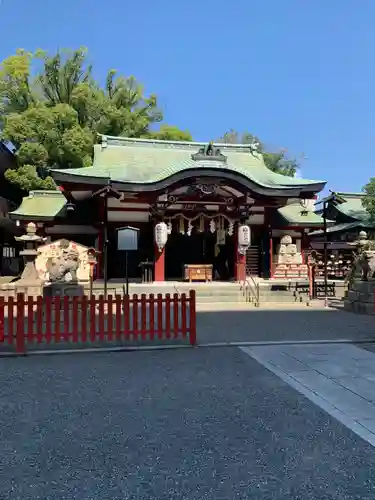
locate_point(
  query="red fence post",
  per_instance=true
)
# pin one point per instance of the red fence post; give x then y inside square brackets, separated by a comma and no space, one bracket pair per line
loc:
[20,323]
[176,306]
[135,327]
[159,312]
[167,316]
[39,319]
[10,325]
[84,309]
[184,315]
[110,317]
[152,316]
[144,303]
[127,302]
[76,302]
[2,319]
[49,323]
[193,319]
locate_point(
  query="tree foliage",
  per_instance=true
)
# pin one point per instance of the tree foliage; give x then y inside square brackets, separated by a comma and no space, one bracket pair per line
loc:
[275,161]
[368,200]
[51,110]
[170,133]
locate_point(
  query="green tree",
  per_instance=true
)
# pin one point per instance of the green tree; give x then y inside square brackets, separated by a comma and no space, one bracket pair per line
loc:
[53,118]
[170,133]
[368,200]
[15,92]
[275,161]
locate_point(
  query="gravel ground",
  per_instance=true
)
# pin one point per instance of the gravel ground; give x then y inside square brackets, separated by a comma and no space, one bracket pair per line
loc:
[187,424]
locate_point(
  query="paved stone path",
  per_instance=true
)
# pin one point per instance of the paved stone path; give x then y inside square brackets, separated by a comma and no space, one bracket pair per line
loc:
[339,379]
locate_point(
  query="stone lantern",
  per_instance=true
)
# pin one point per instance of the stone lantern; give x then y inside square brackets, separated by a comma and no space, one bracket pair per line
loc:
[29,283]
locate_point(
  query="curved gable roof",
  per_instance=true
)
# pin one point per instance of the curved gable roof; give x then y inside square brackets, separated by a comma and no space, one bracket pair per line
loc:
[148,162]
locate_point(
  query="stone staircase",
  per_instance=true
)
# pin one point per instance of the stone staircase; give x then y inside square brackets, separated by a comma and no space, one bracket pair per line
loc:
[210,294]
[280,292]
[230,295]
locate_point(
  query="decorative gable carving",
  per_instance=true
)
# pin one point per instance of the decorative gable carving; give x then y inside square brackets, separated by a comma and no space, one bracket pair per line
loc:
[209,152]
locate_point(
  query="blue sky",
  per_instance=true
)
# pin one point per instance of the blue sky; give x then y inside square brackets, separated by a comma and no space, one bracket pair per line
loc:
[299,74]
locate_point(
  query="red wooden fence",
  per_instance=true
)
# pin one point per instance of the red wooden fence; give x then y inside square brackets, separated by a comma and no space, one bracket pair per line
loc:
[81,320]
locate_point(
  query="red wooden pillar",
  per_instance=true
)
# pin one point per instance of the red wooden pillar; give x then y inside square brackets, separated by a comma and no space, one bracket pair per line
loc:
[159,269]
[304,246]
[99,266]
[271,253]
[240,271]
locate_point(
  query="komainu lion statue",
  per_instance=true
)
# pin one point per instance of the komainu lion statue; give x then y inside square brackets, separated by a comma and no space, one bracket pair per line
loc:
[362,268]
[63,266]
[367,262]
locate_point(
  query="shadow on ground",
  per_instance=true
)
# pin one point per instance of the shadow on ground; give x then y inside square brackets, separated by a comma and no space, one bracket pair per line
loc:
[283,325]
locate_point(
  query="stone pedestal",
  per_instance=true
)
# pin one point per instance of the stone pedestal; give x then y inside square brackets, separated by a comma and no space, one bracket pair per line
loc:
[68,289]
[361,297]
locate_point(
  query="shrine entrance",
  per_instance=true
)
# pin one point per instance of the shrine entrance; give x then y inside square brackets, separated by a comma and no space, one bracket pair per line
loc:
[200,248]
[202,215]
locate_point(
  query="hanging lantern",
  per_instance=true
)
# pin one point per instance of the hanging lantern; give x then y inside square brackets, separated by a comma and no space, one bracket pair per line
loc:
[161,235]
[244,238]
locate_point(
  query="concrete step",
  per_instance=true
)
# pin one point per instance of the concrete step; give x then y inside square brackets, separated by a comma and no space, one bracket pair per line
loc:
[267,293]
[218,293]
[220,298]
[280,299]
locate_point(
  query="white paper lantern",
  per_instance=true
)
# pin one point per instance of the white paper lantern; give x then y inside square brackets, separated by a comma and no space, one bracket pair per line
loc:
[244,236]
[161,235]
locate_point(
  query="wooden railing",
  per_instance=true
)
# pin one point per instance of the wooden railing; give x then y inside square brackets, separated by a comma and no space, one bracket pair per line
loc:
[25,322]
[251,290]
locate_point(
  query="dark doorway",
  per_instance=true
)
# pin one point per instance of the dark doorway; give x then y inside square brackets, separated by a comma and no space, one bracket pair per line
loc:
[199,248]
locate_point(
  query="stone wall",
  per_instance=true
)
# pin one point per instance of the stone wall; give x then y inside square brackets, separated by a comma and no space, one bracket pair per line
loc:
[361,298]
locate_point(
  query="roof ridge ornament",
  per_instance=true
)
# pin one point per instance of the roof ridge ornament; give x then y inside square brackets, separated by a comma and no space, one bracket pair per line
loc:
[254,147]
[209,152]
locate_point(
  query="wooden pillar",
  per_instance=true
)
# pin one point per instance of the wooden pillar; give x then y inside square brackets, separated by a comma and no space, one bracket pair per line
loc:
[99,266]
[271,252]
[240,263]
[267,244]
[159,268]
[305,246]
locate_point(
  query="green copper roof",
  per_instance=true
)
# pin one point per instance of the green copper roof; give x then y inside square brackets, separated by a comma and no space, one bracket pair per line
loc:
[344,226]
[40,205]
[295,215]
[348,204]
[352,207]
[143,162]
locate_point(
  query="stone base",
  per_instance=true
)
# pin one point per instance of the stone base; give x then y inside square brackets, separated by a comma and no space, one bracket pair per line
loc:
[13,289]
[63,290]
[361,298]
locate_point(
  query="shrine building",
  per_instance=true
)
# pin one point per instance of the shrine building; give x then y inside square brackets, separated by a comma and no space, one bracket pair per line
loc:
[203,193]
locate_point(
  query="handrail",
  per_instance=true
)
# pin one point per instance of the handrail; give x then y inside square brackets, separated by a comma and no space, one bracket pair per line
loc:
[251,289]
